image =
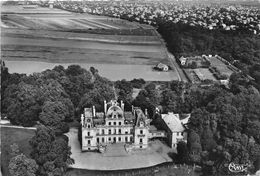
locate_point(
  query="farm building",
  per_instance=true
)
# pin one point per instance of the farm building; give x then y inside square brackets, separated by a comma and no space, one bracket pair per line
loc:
[162,67]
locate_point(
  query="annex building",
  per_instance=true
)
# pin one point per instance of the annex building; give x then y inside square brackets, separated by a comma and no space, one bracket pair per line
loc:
[115,125]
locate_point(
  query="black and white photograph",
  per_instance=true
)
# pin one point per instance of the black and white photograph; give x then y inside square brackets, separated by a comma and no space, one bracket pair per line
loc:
[130,88]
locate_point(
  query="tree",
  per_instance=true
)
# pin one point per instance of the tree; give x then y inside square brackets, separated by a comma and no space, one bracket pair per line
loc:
[51,153]
[53,115]
[182,152]
[21,165]
[23,108]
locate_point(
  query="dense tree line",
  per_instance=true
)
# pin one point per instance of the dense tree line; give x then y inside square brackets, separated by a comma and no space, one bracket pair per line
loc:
[52,97]
[239,47]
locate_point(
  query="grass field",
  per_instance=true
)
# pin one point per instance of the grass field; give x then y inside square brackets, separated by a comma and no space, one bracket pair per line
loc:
[220,66]
[10,136]
[125,50]
[113,72]
[204,73]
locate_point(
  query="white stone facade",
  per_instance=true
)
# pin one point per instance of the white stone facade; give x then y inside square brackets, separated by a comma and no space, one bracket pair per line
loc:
[112,126]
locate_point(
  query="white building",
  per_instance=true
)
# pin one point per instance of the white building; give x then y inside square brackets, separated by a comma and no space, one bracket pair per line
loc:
[175,127]
[114,126]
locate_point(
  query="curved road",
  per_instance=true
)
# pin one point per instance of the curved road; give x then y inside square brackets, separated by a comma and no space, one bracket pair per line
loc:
[181,75]
[172,60]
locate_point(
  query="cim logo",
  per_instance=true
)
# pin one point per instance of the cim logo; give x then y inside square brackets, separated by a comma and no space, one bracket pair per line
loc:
[236,168]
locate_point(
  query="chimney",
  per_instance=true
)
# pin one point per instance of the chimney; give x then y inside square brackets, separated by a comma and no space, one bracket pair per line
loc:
[85,111]
[146,112]
[157,110]
[132,109]
[122,105]
[82,119]
[94,111]
[105,106]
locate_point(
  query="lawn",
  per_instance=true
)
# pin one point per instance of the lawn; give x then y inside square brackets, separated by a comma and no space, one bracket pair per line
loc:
[10,136]
[167,169]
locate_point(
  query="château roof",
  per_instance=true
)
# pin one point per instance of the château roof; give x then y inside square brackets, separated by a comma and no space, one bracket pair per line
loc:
[140,117]
[173,122]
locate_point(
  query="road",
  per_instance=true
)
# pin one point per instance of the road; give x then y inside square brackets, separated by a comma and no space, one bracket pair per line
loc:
[172,60]
[181,75]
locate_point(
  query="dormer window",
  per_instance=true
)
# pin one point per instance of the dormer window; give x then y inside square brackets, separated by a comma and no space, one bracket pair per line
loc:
[114,116]
[88,126]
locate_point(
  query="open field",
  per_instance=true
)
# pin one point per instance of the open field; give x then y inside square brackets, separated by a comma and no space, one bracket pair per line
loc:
[40,10]
[222,67]
[10,136]
[33,41]
[204,73]
[56,19]
[113,72]
[86,36]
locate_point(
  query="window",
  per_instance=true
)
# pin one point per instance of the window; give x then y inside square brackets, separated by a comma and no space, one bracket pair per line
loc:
[103,139]
[103,131]
[88,133]
[178,134]
[109,139]
[97,140]
[109,131]
[141,140]
[88,126]
[126,132]
[114,131]
[141,146]
[114,116]
[109,123]
[119,131]
[182,133]
[119,123]
[126,139]
[114,123]
[141,131]
[88,141]
[131,138]
[119,139]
